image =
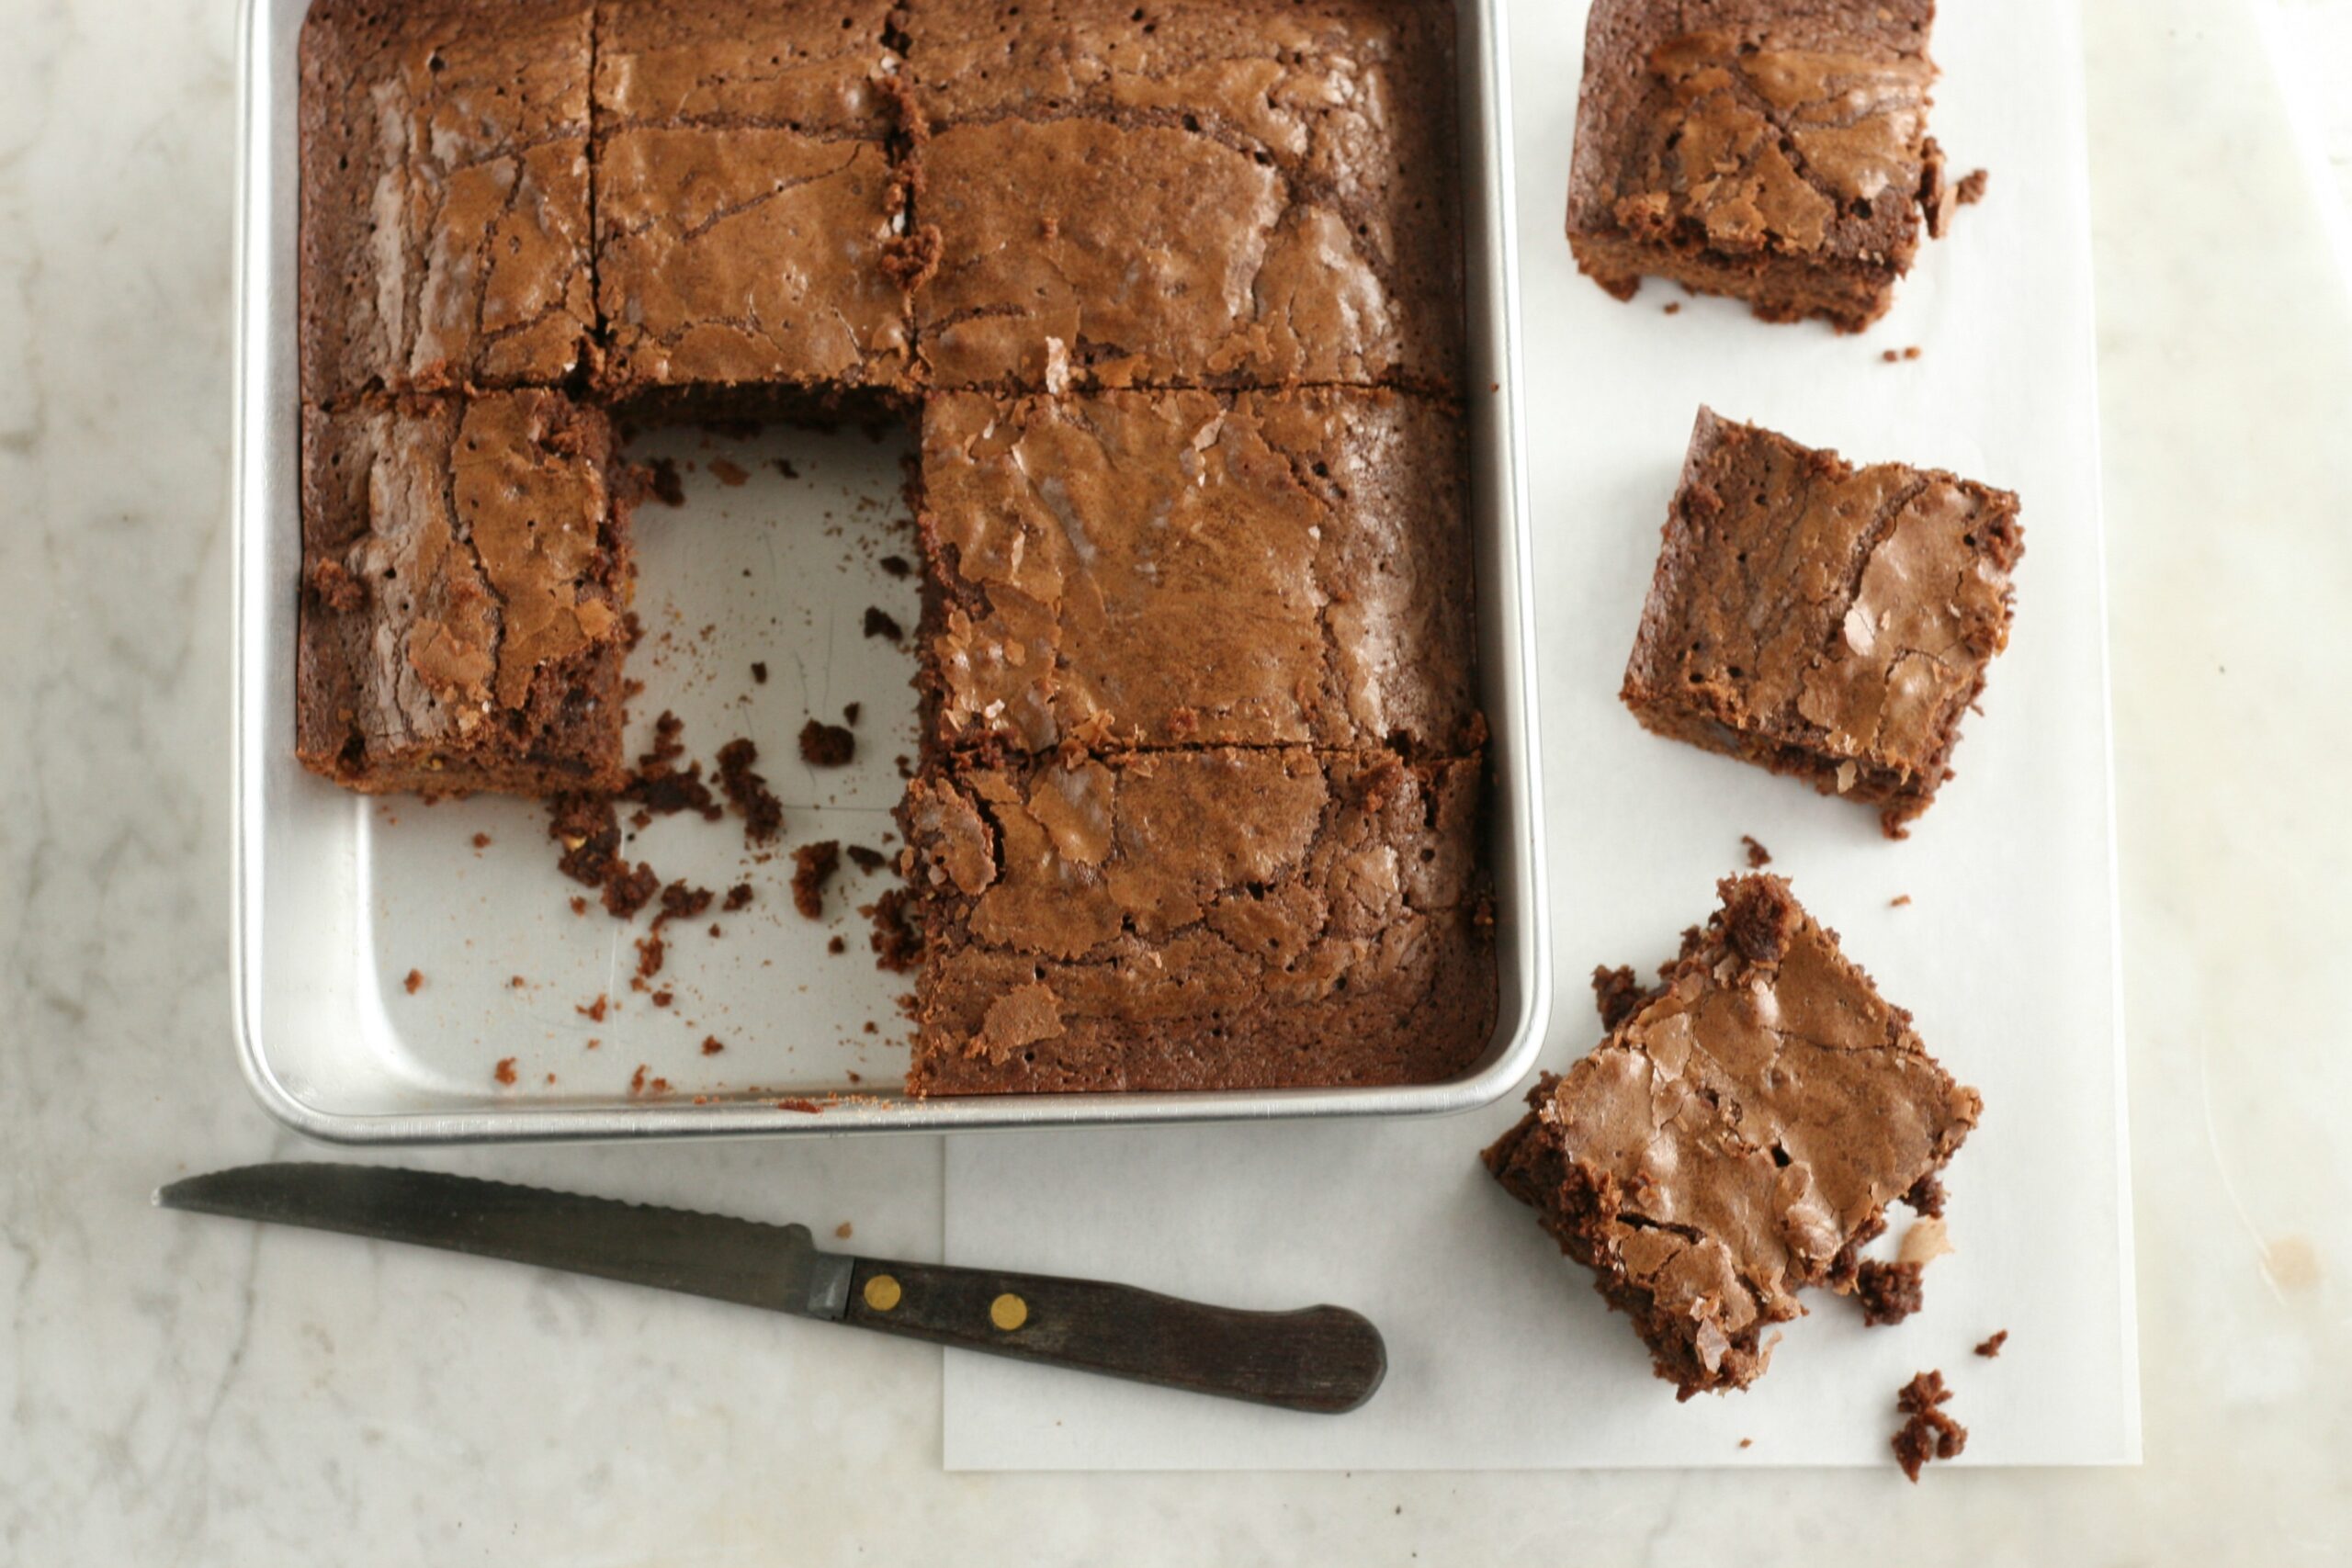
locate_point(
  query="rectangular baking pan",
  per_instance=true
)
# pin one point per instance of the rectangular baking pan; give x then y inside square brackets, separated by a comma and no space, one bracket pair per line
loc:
[339,898]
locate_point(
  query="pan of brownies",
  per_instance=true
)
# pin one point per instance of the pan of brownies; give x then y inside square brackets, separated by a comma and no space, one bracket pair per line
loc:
[1192,326]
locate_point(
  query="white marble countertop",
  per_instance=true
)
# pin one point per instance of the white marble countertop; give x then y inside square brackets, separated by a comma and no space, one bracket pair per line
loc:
[185,1392]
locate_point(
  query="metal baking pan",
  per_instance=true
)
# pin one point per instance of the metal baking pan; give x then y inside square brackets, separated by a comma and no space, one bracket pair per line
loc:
[338,899]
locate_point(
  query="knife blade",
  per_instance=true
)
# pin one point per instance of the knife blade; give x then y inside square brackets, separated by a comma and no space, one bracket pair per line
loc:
[1323,1360]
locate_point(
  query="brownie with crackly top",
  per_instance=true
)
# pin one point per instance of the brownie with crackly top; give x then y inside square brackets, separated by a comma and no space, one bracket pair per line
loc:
[444,229]
[748,206]
[466,577]
[1213,919]
[1823,620]
[1736,1137]
[1149,569]
[1775,151]
[1188,192]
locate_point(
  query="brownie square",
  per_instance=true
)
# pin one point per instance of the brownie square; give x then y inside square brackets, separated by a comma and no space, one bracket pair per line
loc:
[746,205]
[1775,151]
[465,575]
[443,231]
[1736,1137]
[1822,620]
[1348,106]
[1198,919]
[1165,569]
[1078,252]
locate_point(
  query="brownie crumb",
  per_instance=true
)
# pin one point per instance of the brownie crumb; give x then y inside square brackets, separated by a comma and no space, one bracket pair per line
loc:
[785,466]
[869,861]
[414,983]
[1971,189]
[680,901]
[850,712]
[651,950]
[814,867]
[668,489]
[749,793]
[734,476]
[1926,1198]
[1900,901]
[759,673]
[579,905]
[844,1230]
[897,943]
[628,892]
[738,897]
[1912,352]
[516,982]
[505,1071]
[1991,1349]
[897,566]
[481,840]
[1892,355]
[711,1046]
[663,999]
[838,946]
[881,622]
[1927,1432]
[1747,1442]
[1674,307]
[637,1079]
[669,742]
[1759,857]
[594,1011]
[1889,1291]
[826,745]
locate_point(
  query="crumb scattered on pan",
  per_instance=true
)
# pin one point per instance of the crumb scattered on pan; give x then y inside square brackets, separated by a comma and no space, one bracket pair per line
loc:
[1900,901]
[898,945]
[738,897]
[727,473]
[806,1107]
[594,1011]
[668,489]
[786,466]
[414,983]
[850,712]
[1991,1349]
[845,1230]
[1747,1442]
[481,840]
[897,566]
[813,866]
[1759,857]
[866,860]
[1889,1292]
[826,745]
[1927,1433]
[881,622]
[1971,189]
[748,792]
[505,1071]
[759,671]
[516,982]
[838,946]
[651,951]
[711,1045]
[579,905]
[663,999]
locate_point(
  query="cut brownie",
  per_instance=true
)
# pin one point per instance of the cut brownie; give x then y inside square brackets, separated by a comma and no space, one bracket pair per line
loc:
[745,200]
[444,234]
[465,568]
[1775,151]
[1159,569]
[1823,620]
[1199,920]
[1735,1138]
[1346,106]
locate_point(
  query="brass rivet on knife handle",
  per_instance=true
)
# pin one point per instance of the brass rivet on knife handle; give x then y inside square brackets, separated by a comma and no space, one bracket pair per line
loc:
[1008,1312]
[882,1292]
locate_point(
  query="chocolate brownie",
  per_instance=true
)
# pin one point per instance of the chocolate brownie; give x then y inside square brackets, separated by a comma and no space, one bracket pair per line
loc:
[465,568]
[746,197]
[1823,620]
[444,234]
[1163,569]
[1736,1137]
[1198,919]
[1080,252]
[1347,105]
[1775,151]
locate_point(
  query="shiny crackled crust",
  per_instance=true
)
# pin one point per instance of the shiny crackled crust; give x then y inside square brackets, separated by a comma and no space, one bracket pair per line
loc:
[1822,620]
[1736,1137]
[1300,139]
[1176,569]
[465,575]
[747,201]
[1772,150]
[1194,919]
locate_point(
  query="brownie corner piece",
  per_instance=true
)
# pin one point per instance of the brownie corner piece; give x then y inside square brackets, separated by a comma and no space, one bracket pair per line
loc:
[1735,1138]
[1822,620]
[465,576]
[1770,151]
[443,235]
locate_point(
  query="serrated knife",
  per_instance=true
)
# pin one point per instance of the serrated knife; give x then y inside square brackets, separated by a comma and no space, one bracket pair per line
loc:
[1324,1359]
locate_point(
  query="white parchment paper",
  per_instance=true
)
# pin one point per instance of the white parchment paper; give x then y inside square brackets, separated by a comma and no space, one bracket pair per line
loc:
[1501,1356]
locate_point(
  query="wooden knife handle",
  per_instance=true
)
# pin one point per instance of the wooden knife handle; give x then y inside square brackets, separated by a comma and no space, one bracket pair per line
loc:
[1325,1359]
